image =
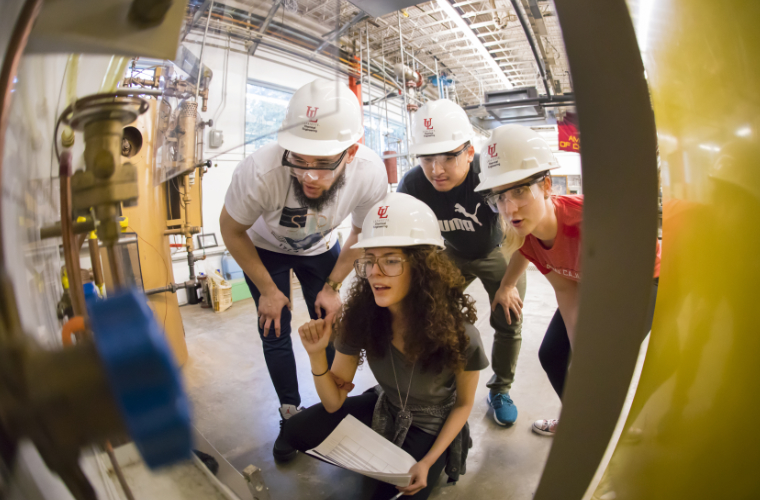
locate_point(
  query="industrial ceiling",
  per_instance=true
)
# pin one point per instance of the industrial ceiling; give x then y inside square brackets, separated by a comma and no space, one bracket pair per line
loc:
[482,45]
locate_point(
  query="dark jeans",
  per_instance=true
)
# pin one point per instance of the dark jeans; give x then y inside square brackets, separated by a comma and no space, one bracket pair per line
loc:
[554,352]
[507,337]
[307,429]
[312,272]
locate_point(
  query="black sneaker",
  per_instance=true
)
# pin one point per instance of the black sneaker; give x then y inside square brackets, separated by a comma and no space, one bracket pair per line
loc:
[282,451]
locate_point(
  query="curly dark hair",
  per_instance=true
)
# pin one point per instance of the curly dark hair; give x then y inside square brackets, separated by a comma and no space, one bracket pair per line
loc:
[436,309]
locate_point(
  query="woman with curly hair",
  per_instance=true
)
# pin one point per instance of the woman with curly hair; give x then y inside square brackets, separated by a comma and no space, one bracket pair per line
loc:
[408,316]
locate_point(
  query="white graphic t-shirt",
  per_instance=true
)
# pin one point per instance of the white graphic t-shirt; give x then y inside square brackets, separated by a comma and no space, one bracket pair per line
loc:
[261,194]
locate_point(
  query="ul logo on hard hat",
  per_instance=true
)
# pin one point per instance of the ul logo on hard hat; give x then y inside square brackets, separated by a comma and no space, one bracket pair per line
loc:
[311,114]
[382,212]
[492,150]
[428,123]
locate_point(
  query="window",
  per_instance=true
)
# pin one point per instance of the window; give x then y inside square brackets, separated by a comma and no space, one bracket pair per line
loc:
[264,111]
[390,136]
[381,137]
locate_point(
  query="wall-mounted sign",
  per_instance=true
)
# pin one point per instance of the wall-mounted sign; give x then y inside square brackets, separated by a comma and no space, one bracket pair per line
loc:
[569,138]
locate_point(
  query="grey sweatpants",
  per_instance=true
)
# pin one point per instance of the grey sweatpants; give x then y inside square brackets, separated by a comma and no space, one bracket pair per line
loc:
[507,337]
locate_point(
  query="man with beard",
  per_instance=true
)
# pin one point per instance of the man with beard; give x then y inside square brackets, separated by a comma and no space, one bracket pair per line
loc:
[281,211]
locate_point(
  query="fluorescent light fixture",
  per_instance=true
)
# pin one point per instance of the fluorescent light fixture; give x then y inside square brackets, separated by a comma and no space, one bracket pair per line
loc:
[744,132]
[475,41]
[710,147]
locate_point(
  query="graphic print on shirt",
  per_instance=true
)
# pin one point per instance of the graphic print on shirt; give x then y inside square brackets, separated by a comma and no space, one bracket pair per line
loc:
[459,208]
[305,229]
[565,273]
[457,224]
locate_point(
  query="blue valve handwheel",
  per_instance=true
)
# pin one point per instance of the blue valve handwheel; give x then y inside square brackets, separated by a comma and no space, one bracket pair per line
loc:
[143,376]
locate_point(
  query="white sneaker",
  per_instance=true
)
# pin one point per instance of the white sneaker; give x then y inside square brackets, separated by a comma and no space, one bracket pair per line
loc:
[287,411]
[545,427]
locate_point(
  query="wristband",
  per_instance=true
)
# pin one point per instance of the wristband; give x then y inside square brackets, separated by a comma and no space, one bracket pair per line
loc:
[328,369]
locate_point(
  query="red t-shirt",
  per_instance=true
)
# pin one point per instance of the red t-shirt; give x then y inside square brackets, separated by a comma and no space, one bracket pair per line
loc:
[564,257]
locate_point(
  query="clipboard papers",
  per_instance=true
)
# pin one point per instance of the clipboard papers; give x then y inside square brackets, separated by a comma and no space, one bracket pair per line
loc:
[356,447]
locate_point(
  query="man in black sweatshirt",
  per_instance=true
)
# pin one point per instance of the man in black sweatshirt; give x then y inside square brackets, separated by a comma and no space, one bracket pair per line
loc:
[445,180]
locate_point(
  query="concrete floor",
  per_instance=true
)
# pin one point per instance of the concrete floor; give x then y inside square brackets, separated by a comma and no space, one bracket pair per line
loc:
[235,405]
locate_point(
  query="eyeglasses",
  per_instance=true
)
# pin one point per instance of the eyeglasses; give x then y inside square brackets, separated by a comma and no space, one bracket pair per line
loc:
[444,160]
[520,195]
[319,169]
[390,265]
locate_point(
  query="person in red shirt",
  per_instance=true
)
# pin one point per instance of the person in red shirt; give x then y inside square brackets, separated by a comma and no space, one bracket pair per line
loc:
[541,228]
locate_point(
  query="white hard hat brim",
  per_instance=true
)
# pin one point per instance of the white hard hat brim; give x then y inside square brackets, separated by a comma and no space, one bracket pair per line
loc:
[513,176]
[302,146]
[397,241]
[437,147]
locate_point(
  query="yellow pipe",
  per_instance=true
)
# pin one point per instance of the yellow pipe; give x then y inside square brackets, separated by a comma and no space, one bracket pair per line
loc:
[72,73]
[114,73]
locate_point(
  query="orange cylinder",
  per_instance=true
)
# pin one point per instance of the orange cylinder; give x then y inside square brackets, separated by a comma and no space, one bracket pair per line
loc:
[355,84]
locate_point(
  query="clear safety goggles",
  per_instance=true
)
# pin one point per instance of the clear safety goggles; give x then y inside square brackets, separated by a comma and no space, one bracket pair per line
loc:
[519,195]
[319,169]
[390,265]
[444,160]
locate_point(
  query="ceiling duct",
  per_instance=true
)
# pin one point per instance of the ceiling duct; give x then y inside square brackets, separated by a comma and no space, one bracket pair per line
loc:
[507,106]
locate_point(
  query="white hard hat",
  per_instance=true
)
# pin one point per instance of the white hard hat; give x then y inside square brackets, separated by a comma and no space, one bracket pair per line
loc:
[323,119]
[400,220]
[514,153]
[438,127]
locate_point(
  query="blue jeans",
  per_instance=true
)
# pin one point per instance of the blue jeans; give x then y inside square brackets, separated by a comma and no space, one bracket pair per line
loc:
[312,273]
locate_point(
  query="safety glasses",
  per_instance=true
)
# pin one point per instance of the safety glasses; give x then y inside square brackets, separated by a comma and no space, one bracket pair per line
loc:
[390,265]
[519,195]
[444,159]
[319,169]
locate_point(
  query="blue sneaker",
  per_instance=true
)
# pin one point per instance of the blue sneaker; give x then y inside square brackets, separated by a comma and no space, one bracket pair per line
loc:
[504,409]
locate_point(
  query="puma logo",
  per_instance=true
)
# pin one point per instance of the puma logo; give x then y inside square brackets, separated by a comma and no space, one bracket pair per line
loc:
[459,208]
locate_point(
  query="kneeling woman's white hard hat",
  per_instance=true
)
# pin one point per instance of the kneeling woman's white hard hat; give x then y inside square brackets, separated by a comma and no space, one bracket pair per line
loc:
[323,119]
[400,220]
[514,153]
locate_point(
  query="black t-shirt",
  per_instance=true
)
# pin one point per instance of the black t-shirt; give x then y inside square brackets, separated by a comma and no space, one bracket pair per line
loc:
[469,226]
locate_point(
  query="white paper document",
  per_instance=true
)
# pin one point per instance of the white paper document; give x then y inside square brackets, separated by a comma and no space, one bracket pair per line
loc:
[356,447]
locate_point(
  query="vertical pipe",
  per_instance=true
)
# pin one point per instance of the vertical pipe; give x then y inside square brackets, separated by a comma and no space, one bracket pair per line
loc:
[404,112]
[369,90]
[361,82]
[97,266]
[203,45]
[385,93]
[186,226]
[437,77]
[245,105]
[113,262]
[70,248]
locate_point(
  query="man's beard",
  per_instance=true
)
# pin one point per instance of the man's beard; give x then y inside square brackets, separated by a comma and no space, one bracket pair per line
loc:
[327,197]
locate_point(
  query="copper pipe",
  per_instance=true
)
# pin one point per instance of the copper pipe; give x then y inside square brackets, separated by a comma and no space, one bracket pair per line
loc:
[16,46]
[97,266]
[114,263]
[70,248]
[72,326]
[119,472]
[80,241]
